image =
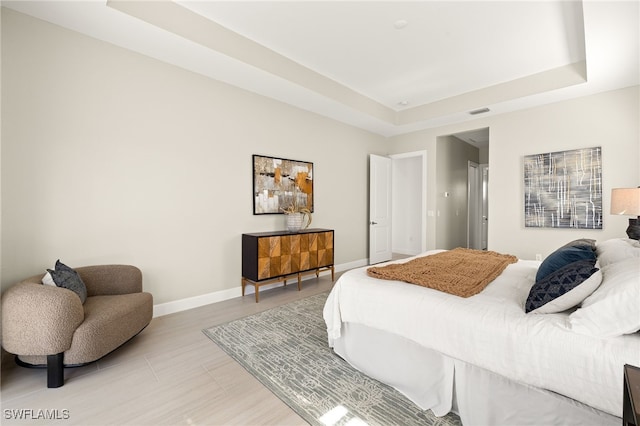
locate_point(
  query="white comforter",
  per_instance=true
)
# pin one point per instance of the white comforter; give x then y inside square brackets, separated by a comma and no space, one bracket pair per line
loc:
[491,330]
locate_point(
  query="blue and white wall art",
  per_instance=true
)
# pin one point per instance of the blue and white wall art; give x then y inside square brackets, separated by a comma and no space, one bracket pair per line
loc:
[563,189]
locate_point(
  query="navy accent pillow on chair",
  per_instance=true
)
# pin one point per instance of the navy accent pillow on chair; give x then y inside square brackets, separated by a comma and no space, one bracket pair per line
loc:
[66,277]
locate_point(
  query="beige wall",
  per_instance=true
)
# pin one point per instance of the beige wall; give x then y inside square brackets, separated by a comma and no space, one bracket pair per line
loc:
[112,157]
[609,119]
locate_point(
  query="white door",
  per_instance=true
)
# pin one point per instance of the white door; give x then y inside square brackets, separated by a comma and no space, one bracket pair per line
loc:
[473,206]
[379,209]
[478,202]
[484,169]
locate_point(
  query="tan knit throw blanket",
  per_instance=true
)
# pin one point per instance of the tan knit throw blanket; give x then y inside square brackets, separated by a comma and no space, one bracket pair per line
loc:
[463,272]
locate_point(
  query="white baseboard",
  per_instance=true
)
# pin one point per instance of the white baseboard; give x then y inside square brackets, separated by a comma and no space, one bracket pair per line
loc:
[406,252]
[352,265]
[194,302]
[219,296]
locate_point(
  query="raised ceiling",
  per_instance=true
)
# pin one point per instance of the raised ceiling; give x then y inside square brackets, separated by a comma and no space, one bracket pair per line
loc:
[387,67]
[419,52]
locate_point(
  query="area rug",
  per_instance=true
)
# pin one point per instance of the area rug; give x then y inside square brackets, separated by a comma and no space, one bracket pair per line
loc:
[286,349]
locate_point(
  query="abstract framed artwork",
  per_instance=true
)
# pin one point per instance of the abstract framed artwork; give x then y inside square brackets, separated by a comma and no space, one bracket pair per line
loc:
[280,184]
[563,189]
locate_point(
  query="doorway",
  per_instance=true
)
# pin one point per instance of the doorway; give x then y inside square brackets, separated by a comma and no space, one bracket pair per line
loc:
[477,189]
[397,197]
[409,203]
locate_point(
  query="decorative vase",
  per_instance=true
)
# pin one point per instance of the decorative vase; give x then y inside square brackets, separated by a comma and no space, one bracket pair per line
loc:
[294,221]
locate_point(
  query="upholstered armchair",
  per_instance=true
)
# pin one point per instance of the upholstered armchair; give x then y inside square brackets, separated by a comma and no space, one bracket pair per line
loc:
[46,325]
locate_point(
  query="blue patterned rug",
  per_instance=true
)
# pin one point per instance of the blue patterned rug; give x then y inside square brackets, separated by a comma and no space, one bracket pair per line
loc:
[286,349]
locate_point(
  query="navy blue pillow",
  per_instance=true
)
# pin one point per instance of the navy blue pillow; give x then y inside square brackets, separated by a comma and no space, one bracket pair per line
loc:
[582,242]
[559,283]
[564,256]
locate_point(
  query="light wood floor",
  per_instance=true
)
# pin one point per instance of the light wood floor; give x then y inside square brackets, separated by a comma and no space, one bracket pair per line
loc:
[170,374]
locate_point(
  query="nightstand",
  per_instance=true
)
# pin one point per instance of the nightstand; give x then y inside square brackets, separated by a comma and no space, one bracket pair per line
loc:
[631,402]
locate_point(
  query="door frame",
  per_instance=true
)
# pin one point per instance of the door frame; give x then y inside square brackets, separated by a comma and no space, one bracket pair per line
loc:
[484,233]
[474,200]
[477,212]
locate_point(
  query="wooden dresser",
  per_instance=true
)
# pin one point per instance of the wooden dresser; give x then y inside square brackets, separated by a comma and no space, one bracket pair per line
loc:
[269,257]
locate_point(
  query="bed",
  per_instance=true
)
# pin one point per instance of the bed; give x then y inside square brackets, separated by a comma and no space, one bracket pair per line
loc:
[486,358]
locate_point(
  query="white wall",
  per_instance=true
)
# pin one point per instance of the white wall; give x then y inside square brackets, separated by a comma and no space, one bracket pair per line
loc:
[109,156]
[610,120]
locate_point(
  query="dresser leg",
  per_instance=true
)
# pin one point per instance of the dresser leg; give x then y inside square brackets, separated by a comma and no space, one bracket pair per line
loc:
[244,284]
[256,286]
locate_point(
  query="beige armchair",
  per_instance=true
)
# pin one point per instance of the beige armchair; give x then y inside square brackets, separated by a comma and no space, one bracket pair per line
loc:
[49,326]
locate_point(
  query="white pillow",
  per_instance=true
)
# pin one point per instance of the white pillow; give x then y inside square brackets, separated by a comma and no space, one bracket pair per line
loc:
[48,279]
[573,297]
[617,249]
[612,310]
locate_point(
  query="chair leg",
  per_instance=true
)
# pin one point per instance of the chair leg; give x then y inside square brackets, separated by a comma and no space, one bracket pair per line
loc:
[55,370]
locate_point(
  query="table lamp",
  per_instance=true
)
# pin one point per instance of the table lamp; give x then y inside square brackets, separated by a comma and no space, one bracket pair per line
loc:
[626,201]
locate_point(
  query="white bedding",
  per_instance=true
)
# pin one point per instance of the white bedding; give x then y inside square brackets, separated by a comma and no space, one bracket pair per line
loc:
[491,330]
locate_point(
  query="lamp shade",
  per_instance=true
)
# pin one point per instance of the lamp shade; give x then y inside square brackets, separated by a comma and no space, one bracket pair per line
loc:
[625,201]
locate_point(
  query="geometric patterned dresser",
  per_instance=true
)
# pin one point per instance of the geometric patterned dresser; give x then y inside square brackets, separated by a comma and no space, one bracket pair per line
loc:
[269,257]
